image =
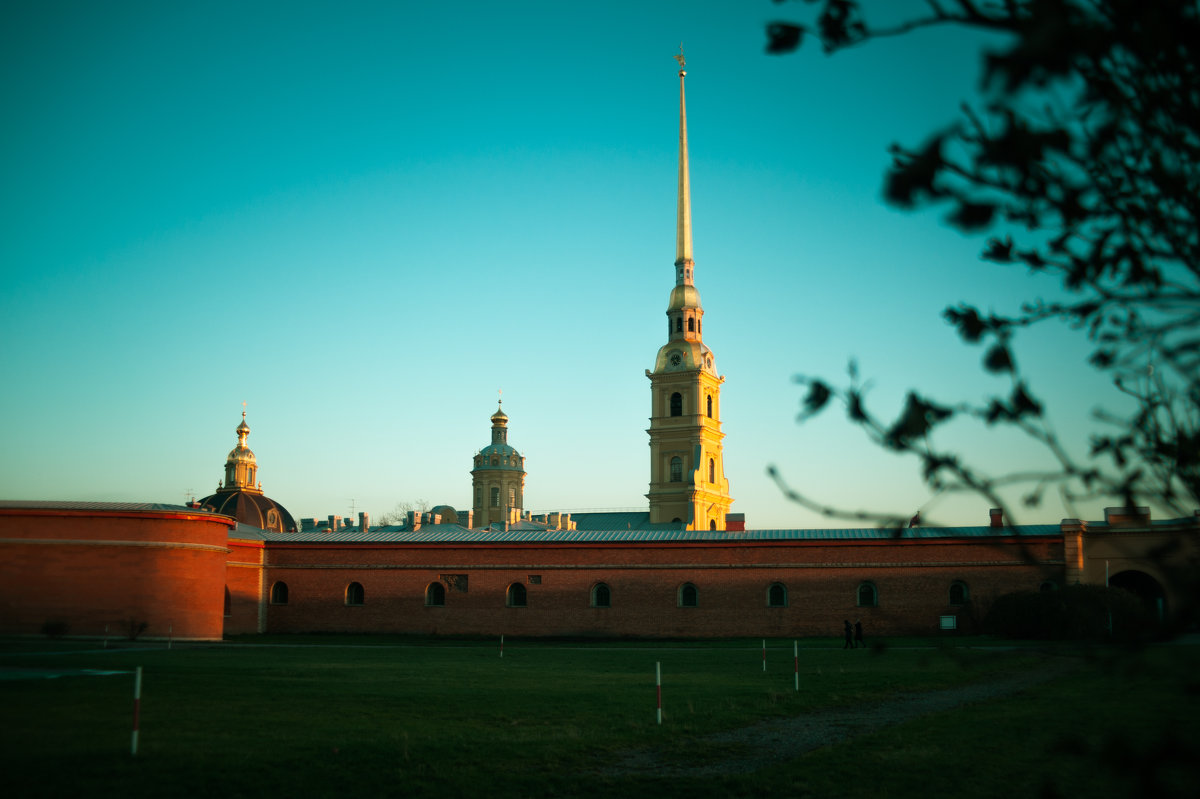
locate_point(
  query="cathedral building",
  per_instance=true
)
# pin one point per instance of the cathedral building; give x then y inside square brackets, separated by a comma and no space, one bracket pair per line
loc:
[241,497]
[235,563]
[498,479]
[687,471]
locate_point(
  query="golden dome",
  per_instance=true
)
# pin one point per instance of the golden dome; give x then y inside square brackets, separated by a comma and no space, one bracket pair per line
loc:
[684,297]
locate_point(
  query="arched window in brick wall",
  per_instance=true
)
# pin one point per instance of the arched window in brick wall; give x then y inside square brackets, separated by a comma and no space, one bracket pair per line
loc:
[868,596]
[515,596]
[435,595]
[355,595]
[601,596]
[958,593]
[689,597]
[777,595]
[279,593]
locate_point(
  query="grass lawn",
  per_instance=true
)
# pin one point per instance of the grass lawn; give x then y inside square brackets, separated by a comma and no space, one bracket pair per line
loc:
[345,716]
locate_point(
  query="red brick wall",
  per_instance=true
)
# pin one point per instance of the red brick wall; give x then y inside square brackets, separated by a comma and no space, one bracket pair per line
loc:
[913,579]
[89,569]
[243,580]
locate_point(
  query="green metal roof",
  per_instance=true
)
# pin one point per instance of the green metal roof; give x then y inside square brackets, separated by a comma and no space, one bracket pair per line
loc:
[529,533]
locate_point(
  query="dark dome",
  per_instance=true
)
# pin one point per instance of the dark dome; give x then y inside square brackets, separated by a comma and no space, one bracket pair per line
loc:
[449,515]
[252,508]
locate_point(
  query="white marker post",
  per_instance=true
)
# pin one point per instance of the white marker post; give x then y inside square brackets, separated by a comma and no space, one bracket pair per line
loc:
[170,635]
[764,656]
[796,657]
[658,688]
[501,644]
[137,708]
[106,636]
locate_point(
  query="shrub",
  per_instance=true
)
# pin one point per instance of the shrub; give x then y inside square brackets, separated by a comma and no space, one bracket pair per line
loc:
[1078,612]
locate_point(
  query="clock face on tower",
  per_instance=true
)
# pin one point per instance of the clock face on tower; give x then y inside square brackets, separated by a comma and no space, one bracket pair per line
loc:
[676,359]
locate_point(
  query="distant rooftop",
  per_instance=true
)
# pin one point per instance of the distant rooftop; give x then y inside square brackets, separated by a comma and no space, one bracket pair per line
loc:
[531,532]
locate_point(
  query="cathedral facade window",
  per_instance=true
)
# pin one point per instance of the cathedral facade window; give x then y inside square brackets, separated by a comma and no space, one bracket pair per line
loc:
[514,597]
[435,595]
[868,596]
[777,595]
[676,470]
[677,404]
[958,593]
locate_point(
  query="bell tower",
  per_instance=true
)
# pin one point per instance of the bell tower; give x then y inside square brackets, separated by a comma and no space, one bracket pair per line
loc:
[498,479]
[687,470]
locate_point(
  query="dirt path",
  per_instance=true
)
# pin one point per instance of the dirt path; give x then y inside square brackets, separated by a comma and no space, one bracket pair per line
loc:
[778,740]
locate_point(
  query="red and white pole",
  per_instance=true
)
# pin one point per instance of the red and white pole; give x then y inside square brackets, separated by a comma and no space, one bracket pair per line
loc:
[796,659]
[764,655]
[658,687]
[137,709]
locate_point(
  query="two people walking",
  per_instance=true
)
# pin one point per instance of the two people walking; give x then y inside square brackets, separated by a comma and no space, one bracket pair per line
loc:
[854,634]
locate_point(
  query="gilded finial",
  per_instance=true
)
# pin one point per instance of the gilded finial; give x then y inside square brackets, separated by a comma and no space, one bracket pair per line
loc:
[243,409]
[500,394]
[679,57]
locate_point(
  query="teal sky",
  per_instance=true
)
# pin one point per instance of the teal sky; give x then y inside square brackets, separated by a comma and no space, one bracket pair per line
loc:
[364,219]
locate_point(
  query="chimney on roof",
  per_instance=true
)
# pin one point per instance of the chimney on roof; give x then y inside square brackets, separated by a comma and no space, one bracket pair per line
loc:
[1127,515]
[997,516]
[364,521]
[414,520]
[735,522]
[335,523]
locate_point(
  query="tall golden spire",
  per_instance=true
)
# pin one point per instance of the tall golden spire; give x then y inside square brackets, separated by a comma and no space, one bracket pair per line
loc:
[683,223]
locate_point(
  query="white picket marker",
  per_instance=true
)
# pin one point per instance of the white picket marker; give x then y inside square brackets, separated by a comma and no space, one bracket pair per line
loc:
[764,655]
[137,709]
[501,644]
[170,635]
[658,687]
[796,656]
[106,636]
